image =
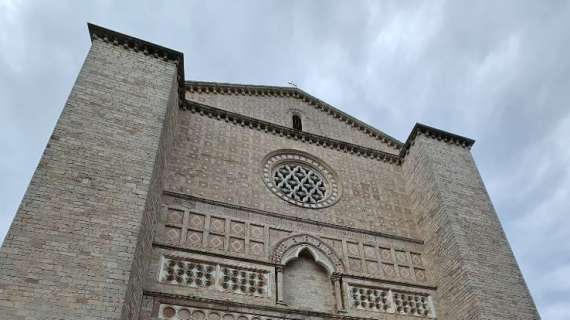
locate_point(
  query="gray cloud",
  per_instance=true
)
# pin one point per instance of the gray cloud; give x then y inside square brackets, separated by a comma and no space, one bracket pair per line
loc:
[496,71]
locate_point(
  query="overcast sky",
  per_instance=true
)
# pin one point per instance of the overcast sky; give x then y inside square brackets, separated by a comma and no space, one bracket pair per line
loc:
[494,71]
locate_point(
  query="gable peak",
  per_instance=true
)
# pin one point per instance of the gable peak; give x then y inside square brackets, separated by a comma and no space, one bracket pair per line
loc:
[294,92]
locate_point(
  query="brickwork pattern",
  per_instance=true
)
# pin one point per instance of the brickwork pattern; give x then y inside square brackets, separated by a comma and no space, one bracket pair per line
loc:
[222,161]
[257,237]
[476,272]
[140,209]
[82,213]
[280,110]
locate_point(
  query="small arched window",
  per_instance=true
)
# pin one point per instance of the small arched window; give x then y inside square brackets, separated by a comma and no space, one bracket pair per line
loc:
[297,125]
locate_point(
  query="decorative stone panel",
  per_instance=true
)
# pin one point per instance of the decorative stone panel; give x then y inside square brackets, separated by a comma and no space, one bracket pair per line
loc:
[193,230]
[388,300]
[218,276]
[412,304]
[242,281]
[371,299]
[253,238]
[176,312]
[187,272]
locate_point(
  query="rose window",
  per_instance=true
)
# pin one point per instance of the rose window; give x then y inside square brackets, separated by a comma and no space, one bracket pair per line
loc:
[300,179]
[300,183]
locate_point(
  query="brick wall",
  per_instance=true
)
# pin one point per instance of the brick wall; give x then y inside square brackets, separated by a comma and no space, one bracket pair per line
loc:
[222,161]
[475,270]
[280,109]
[135,197]
[72,248]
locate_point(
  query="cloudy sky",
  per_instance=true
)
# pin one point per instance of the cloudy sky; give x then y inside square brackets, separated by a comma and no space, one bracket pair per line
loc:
[495,71]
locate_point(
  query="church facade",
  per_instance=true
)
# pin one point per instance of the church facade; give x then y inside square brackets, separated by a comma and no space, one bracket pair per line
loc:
[161,198]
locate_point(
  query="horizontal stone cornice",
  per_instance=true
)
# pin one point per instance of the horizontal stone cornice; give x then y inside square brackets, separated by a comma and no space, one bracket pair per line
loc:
[144,47]
[272,128]
[276,91]
[166,54]
[290,133]
[282,311]
[437,134]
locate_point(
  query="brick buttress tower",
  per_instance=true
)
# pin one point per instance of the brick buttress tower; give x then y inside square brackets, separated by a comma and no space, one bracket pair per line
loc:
[160,198]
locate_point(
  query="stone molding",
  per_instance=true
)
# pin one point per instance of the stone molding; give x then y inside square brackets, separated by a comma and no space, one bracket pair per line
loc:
[289,248]
[166,54]
[437,134]
[279,267]
[145,47]
[169,298]
[289,133]
[292,218]
[276,91]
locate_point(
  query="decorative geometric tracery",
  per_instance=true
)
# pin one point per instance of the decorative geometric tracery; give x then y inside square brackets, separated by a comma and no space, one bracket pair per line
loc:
[300,179]
[323,254]
[300,183]
[199,274]
[243,281]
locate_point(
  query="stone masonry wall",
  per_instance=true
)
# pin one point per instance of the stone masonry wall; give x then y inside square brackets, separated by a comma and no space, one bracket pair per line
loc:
[476,273]
[222,161]
[139,210]
[253,236]
[70,252]
[279,110]
[148,227]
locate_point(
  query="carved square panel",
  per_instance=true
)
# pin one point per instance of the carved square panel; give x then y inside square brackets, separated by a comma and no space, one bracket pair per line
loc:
[353,249]
[172,234]
[355,264]
[237,245]
[389,270]
[256,248]
[196,221]
[417,259]
[369,252]
[194,238]
[386,254]
[217,225]
[372,267]
[216,242]
[256,232]
[420,274]
[402,257]
[275,235]
[237,228]
[174,216]
[334,243]
[405,272]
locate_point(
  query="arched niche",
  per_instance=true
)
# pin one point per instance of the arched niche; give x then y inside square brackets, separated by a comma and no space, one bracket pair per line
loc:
[318,256]
[323,253]
[307,283]
[302,246]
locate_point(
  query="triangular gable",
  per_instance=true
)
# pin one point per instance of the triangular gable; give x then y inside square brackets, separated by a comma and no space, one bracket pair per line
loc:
[368,132]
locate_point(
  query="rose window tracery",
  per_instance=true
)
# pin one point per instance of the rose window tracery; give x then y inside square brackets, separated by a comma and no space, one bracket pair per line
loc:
[300,183]
[300,179]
